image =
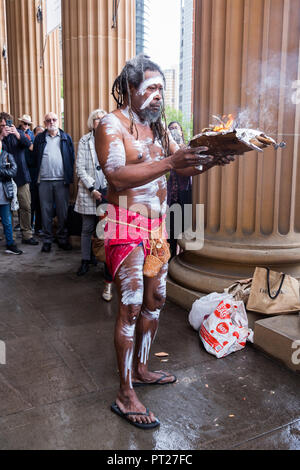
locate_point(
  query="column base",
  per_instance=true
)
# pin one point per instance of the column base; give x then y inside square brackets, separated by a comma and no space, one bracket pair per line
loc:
[216,266]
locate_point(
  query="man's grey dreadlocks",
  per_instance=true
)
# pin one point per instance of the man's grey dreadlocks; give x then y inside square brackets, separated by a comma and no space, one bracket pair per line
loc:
[133,74]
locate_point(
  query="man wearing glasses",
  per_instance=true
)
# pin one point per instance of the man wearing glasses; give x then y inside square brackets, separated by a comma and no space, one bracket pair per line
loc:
[54,156]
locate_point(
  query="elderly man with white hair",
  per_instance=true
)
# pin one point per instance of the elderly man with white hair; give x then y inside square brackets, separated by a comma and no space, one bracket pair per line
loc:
[92,187]
[54,155]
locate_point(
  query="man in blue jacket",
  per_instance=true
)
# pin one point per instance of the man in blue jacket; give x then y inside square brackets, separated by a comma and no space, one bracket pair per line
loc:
[54,157]
[15,142]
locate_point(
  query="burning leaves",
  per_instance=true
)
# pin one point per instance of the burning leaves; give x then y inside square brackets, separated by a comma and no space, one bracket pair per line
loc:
[224,126]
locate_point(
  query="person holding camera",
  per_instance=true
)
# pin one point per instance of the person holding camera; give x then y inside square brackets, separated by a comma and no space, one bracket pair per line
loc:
[15,142]
[8,170]
[36,218]
[92,187]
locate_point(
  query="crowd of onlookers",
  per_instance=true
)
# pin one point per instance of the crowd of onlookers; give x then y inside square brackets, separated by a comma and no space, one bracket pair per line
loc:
[36,170]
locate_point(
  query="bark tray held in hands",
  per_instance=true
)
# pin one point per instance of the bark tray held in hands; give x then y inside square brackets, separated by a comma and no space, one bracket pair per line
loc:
[232,142]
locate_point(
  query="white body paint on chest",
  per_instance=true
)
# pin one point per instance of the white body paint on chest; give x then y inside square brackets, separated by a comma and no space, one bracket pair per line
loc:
[143,147]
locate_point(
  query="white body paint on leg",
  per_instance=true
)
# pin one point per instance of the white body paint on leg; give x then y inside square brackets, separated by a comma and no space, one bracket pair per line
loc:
[150,315]
[128,331]
[162,287]
[131,277]
[145,347]
[128,366]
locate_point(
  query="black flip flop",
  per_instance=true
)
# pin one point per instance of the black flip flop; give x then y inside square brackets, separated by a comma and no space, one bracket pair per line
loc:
[157,382]
[114,407]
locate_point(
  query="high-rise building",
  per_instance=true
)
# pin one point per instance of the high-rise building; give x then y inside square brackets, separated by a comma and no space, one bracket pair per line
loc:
[171,92]
[142,16]
[186,59]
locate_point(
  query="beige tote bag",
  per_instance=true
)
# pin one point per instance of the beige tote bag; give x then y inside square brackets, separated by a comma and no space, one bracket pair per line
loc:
[273,293]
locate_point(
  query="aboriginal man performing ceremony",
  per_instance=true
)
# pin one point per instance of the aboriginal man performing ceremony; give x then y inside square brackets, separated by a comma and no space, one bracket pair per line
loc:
[135,152]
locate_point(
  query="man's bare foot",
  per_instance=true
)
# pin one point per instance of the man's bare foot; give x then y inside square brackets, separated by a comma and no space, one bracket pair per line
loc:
[127,401]
[147,377]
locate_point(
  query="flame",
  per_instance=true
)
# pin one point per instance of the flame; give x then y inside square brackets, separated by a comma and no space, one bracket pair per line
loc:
[225,126]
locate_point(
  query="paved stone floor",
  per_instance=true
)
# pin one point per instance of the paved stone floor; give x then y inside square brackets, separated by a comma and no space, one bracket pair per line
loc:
[60,376]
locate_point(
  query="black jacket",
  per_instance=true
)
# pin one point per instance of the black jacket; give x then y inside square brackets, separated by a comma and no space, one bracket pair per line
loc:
[17,148]
[67,151]
[8,170]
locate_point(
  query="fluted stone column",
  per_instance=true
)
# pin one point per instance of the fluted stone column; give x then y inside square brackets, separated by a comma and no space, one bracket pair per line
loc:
[4,88]
[34,89]
[93,55]
[247,59]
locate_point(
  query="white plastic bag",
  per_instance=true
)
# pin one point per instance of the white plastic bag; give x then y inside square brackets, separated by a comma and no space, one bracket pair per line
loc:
[204,306]
[226,329]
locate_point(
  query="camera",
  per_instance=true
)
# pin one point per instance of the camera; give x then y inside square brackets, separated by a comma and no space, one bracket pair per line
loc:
[9,123]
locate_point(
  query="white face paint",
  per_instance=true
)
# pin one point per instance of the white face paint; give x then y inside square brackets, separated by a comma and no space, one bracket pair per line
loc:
[128,366]
[132,276]
[149,99]
[145,347]
[158,80]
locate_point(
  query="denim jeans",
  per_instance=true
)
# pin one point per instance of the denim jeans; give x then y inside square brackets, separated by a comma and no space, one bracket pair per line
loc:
[5,215]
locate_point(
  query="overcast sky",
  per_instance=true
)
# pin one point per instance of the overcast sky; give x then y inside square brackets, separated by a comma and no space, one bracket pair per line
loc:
[164,32]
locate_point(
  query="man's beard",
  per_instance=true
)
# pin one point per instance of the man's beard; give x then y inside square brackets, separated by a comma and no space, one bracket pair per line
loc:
[150,115]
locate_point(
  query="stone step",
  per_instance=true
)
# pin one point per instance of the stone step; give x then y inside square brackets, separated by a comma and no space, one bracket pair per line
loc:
[277,336]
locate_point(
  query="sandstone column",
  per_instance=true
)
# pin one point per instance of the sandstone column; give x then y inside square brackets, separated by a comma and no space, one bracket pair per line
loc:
[94,52]
[4,88]
[247,62]
[34,89]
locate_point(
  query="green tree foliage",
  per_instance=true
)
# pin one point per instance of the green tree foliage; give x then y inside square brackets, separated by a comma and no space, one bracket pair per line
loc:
[173,114]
